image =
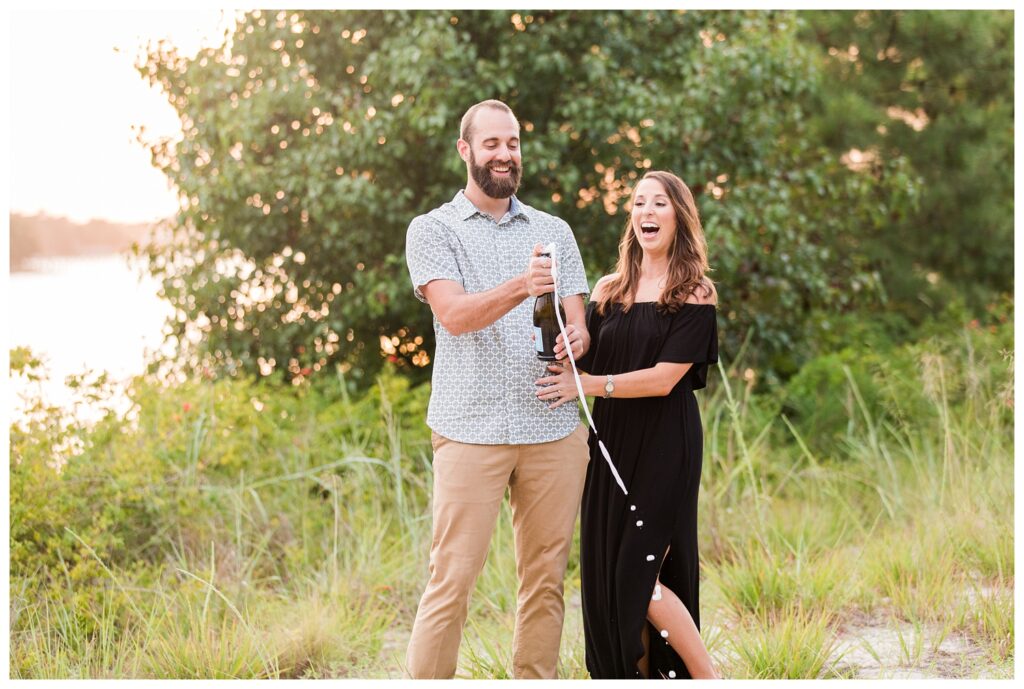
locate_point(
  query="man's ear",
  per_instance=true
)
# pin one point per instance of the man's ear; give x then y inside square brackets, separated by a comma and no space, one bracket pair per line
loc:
[463,148]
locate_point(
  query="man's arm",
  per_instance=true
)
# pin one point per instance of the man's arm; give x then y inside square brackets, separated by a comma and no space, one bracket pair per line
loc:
[462,313]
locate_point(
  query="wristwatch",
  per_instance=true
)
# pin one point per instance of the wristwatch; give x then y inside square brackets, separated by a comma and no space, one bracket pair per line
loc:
[609,387]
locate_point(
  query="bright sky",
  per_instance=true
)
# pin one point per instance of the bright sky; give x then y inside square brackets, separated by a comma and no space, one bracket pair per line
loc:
[76,102]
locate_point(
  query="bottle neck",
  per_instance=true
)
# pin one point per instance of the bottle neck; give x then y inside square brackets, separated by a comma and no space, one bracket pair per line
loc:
[548,295]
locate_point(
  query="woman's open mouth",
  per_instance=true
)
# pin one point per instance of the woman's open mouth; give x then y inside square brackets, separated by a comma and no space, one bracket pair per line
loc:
[649,229]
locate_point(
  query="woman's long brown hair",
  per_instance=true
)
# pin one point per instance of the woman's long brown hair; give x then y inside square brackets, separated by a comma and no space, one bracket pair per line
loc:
[688,257]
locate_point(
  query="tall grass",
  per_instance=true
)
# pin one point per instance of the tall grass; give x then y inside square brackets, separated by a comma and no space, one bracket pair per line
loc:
[798,644]
[229,529]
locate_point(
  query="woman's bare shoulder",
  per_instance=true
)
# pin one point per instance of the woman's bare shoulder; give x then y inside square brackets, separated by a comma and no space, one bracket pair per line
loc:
[704,293]
[601,288]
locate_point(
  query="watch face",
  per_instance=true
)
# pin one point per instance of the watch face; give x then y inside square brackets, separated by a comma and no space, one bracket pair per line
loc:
[609,387]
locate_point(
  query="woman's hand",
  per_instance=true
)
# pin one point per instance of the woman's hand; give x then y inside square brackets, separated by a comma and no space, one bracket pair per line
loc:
[558,388]
[576,341]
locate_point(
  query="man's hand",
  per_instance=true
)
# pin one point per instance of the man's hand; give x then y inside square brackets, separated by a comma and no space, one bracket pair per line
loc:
[538,273]
[577,340]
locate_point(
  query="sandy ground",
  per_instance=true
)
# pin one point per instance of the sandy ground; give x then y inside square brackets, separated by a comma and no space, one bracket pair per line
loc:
[878,646]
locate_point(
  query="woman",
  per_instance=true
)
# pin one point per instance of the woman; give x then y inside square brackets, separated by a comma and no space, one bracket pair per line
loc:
[653,335]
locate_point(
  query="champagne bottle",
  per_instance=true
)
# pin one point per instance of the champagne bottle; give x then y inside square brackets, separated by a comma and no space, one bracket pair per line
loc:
[545,324]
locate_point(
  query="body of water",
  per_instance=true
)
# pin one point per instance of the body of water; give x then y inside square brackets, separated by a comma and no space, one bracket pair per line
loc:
[84,313]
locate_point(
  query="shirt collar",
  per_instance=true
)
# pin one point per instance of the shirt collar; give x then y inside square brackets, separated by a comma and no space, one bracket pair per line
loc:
[466,210]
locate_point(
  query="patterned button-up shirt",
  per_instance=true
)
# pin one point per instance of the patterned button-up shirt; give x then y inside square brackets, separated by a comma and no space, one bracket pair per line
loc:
[483,387]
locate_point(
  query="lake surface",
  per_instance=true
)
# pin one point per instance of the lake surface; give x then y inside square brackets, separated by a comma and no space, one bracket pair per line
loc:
[84,313]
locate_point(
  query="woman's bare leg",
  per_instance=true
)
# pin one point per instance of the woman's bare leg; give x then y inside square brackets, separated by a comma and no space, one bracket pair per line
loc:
[643,665]
[668,614]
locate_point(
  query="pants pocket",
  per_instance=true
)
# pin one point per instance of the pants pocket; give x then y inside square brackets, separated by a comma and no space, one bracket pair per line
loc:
[437,440]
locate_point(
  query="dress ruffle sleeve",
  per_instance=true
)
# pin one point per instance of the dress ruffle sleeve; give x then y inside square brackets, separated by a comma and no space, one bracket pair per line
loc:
[692,338]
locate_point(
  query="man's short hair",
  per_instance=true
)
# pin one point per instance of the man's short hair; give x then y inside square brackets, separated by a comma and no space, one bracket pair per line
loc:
[466,128]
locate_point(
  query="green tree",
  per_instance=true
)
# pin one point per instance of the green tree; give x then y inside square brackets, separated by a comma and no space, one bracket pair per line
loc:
[313,138]
[936,88]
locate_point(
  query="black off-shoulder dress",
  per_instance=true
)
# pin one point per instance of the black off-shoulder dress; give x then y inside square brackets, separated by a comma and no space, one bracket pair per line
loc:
[657,445]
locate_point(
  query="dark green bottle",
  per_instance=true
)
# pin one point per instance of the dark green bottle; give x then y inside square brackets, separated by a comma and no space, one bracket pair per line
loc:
[545,324]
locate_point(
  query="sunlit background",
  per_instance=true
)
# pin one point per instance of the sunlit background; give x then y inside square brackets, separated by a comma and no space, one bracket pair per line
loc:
[78,103]
[858,465]
[78,108]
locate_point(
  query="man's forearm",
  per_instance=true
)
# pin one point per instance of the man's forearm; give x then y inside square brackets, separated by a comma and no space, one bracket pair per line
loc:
[467,313]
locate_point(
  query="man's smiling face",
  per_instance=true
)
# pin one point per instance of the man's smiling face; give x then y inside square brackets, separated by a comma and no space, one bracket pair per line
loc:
[495,161]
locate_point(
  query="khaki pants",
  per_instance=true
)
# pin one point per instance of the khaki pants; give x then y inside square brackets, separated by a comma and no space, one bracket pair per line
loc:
[545,484]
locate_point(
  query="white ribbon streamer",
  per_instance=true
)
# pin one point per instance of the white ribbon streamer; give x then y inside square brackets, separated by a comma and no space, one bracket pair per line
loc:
[550,249]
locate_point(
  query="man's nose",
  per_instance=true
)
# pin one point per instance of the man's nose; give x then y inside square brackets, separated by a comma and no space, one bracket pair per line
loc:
[506,153]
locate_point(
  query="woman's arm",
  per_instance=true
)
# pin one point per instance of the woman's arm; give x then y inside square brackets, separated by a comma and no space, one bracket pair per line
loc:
[656,381]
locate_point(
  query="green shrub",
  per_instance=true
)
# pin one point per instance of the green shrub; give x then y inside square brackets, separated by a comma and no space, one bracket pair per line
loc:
[226,526]
[821,399]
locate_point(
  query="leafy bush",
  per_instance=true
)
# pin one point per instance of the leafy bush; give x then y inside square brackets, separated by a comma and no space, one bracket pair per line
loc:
[822,399]
[165,480]
[227,526]
[878,382]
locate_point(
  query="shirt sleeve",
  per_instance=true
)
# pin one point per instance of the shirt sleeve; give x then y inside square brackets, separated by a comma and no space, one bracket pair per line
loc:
[572,278]
[429,254]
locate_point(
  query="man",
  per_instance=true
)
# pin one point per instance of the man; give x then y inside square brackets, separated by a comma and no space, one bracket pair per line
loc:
[475,261]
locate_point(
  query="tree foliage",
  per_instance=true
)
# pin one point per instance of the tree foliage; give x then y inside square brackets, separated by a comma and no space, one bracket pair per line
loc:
[311,139]
[935,88]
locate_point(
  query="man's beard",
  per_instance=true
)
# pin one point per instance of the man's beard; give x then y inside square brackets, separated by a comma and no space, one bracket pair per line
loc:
[496,188]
